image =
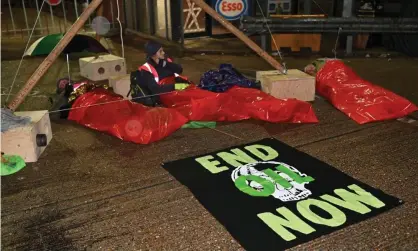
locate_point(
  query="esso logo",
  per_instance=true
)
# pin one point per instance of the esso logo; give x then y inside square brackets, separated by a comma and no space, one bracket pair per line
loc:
[231,9]
[53,2]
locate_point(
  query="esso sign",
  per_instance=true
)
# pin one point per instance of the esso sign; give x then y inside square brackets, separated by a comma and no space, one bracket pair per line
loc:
[53,2]
[231,9]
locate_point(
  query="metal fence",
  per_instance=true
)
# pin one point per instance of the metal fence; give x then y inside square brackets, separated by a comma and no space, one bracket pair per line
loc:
[19,17]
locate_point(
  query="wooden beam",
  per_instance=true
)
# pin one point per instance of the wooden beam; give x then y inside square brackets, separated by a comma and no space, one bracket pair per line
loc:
[44,66]
[240,35]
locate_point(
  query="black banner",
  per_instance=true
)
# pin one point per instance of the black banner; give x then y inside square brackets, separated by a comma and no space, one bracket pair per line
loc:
[270,196]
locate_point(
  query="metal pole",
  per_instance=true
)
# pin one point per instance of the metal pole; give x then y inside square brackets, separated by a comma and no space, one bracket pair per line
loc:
[319,21]
[240,35]
[44,66]
[348,6]
[11,16]
[24,12]
[329,25]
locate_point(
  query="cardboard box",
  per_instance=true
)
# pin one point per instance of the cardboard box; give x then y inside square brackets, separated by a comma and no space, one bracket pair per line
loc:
[28,141]
[102,67]
[295,84]
[121,85]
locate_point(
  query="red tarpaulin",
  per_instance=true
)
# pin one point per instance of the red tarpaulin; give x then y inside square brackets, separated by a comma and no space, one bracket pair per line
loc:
[237,104]
[358,98]
[124,119]
[134,122]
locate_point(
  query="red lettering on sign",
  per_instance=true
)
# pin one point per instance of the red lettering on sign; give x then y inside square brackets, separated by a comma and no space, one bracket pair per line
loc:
[234,6]
[231,6]
[224,6]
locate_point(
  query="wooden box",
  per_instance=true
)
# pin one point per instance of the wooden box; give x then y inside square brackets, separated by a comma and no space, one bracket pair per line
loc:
[30,140]
[121,85]
[102,67]
[295,84]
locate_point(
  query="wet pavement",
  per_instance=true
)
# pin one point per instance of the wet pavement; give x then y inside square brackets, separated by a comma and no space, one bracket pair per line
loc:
[92,191]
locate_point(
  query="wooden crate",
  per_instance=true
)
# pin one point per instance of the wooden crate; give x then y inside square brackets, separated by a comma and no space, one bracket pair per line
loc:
[295,84]
[121,85]
[22,140]
[102,67]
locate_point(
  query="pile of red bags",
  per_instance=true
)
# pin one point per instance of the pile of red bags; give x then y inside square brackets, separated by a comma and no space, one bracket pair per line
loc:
[238,104]
[362,101]
[357,98]
[105,111]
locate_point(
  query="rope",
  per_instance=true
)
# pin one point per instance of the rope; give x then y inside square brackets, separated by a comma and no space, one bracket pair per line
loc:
[68,69]
[110,102]
[319,6]
[229,134]
[268,27]
[33,96]
[339,30]
[120,26]
[27,44]
[336,43]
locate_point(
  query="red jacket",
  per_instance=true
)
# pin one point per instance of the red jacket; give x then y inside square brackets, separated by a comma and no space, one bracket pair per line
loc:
[167,80]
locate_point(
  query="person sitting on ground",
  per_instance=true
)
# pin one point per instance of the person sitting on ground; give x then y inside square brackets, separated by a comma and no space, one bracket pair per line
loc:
[156,76]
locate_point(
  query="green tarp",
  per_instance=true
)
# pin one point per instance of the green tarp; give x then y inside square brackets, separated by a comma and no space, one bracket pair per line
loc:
[199,124]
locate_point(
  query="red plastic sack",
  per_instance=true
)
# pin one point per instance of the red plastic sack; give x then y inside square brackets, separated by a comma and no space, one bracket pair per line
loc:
[238,104]
[262,106]
[358,98]
[201,105]
[124,119]
[105,111]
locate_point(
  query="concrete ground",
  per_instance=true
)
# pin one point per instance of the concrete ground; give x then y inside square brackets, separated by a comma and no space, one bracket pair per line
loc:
[92,191]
